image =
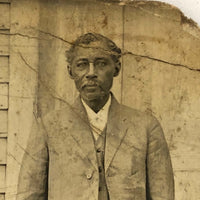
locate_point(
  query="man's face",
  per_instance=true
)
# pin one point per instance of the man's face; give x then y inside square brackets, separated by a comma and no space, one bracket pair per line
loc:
[93,70]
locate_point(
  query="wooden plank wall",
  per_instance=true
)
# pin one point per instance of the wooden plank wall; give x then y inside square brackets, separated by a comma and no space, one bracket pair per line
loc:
[4,87]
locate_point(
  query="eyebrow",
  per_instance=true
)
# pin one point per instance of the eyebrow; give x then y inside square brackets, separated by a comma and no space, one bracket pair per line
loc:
[87,60]
[82,59]
[101,58]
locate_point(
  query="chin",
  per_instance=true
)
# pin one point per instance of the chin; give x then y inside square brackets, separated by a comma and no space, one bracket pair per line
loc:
[91,96]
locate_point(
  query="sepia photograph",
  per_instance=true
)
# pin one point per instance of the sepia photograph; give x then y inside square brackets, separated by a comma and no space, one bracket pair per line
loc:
[99,100]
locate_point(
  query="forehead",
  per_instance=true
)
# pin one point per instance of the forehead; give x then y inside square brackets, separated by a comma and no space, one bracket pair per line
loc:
[97,50]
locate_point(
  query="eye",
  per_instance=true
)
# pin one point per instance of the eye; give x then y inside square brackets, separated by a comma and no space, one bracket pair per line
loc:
[82,64]
[100,63]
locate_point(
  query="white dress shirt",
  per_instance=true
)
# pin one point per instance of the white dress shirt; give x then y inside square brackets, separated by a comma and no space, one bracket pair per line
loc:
[98,120]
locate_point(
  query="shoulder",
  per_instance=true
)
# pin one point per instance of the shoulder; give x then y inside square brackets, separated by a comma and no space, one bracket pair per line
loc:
[55,117]
[134,113]
[147,119]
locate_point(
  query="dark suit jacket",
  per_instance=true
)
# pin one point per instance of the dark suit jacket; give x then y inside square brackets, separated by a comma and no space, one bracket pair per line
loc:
[60,161]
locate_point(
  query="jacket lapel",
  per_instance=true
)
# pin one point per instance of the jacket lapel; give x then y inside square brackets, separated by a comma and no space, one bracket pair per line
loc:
[82,134]
[116,131]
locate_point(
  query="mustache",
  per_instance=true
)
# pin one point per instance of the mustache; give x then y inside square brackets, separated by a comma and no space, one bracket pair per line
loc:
[90,83]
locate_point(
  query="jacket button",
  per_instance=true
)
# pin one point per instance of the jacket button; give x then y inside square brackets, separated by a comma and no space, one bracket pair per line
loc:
[89,176]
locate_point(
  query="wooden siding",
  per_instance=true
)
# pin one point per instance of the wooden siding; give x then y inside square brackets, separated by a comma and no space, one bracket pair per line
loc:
[161,53]
[4,88]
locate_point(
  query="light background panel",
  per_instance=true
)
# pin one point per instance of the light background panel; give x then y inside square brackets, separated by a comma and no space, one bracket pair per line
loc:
[3,151]
[157,37]
[2,196]
[3,95]
[5,1]
[2,178]
[187,184]
[23,63]
[4,42]
[4,68]
[4,121]
[4,15]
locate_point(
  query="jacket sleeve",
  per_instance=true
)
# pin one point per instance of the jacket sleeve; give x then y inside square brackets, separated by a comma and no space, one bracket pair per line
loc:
[160,180]
[32,182]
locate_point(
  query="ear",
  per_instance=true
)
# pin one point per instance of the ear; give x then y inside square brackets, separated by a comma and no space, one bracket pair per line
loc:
[70,72]
[117,68]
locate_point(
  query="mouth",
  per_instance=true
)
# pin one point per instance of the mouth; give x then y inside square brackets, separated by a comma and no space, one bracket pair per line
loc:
[90,85]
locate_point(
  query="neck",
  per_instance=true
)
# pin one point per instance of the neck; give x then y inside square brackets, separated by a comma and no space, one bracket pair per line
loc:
[97,104]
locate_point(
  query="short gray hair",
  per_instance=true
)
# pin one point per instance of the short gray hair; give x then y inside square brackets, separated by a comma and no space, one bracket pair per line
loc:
[86,39]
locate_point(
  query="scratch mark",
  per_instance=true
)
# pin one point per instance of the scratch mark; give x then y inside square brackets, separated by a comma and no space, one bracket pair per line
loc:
[55,36]
[160,60]
[27,63]
[23,35]
[122,140]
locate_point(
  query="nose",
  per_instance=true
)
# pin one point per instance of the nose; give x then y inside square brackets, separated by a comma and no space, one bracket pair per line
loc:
[91,72]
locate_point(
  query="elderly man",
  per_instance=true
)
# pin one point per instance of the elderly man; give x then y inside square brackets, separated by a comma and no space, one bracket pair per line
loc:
[96,149]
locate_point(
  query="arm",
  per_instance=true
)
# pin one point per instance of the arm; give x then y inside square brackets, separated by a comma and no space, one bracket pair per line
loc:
[160,181]
[32,183]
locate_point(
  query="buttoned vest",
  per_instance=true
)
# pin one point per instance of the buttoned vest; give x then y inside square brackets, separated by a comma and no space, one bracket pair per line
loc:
[100,153]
